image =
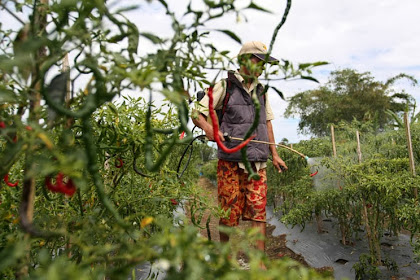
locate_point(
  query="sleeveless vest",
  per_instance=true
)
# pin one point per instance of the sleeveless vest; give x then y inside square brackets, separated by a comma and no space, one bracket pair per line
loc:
[238,118]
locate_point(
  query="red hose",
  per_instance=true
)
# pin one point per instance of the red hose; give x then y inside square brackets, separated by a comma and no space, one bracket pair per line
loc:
[215,124]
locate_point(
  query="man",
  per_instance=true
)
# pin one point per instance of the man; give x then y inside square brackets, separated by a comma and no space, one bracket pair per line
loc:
[244,198]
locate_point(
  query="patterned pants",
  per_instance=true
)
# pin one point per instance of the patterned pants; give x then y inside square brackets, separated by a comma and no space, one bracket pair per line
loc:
[244,198]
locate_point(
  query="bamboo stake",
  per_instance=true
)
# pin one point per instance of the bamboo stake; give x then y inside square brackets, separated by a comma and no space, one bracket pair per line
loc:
[359,150]
[410,150]
[66,68]
[333,141]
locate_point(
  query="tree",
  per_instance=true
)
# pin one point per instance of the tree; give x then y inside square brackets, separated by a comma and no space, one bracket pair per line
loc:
[347,96]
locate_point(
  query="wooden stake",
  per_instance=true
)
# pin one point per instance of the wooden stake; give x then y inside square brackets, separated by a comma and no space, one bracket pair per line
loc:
[359,151]
[66,68]
[410,150]
[333,141]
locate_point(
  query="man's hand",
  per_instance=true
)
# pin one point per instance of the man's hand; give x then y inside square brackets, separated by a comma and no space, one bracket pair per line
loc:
[277,161]
[200,121]
[210,134]
[279,164]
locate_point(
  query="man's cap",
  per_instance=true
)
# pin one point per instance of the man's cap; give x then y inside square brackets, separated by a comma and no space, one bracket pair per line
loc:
[257,49]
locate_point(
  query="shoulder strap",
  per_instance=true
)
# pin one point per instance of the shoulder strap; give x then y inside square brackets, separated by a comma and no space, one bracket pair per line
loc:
[227,95]
[265,93]
[221,112]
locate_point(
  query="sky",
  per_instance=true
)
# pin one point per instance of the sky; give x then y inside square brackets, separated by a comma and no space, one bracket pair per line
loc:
[380,37]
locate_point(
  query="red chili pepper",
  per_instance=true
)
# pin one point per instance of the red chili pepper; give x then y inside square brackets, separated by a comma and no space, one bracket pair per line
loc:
[28,128]
[174,202]
[119,163]
[313,174]
[2,125]
[6,180]
[182,135]
[216,129]
[60,187]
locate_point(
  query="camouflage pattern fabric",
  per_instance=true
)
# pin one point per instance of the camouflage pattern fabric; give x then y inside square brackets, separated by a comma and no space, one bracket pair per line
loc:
[242,197]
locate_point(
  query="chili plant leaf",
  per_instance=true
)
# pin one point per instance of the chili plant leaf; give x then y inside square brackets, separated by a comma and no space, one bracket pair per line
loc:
[230,34]
[279,93]
[7,96]
[254,6]
[309,78]
[153,38]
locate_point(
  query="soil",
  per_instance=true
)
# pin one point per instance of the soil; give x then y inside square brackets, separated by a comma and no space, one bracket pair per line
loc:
[275,245]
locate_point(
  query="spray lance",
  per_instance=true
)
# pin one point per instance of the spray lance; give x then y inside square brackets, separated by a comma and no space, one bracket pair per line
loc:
[230,138]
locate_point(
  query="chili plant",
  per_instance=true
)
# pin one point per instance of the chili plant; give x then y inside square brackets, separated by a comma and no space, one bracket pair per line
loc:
[62,130]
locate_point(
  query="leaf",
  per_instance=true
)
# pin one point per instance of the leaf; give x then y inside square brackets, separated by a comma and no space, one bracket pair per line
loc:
[279,93]
[126,9]
[210,4]
[303,66]
[117,38]
[256,7]
[319,63]
[112,107]
[11,254]
[10,155]
[133,38]
[153,38]
[230,34]
[399,122]
[309,78]
[7,96]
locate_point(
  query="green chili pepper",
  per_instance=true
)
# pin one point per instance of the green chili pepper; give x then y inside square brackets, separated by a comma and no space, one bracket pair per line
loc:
[148,145]
[93,169]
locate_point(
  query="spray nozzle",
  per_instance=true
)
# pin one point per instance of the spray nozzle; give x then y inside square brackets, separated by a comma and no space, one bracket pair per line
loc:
[227,137]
